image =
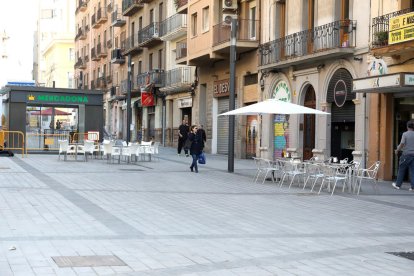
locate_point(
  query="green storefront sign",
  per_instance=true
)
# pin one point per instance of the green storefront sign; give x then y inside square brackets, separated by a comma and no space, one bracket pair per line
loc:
[68,99]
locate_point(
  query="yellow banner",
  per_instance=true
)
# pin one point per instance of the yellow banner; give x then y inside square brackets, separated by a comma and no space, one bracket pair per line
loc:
[401,35]
[401,22]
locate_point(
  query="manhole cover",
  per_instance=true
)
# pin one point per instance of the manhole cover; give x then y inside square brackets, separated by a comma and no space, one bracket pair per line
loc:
[132,170]
[81,261]
[407,255]
[4,168]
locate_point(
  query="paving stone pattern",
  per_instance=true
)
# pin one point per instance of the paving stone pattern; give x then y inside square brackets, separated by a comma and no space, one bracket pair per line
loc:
[160,219]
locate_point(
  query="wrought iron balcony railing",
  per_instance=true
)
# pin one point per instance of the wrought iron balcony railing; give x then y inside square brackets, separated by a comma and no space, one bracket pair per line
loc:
[337,34]
[155,77]
[117,19]
[117,57]
[94,56]
[181,76]
[94,22]
[81,34]
[181,49]
[109,43]
[129,7]
[82,5]
[101,50]
[150,32]
[380,28]
[248,30]
[101,15]
[173,24]
[131,45]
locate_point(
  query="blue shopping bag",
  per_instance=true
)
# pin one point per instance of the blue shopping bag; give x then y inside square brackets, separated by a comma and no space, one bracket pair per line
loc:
[202,158]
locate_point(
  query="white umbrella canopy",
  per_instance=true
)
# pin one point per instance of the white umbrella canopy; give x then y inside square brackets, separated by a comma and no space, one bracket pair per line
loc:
[273,106]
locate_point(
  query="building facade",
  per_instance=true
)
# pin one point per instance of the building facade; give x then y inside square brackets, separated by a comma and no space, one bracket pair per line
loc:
[388,84]
[54,46]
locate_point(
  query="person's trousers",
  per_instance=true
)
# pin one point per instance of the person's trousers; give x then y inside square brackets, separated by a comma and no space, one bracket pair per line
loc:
[194,164]
[181,143]
[406,163]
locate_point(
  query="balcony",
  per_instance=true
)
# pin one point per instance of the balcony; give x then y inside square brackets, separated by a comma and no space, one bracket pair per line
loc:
[80,64]
[179,79]
[102,16]
[333,40]
[82,6]
[117,20]
[101,50]
[181,6]
[94,22]
[146,1]
[150,35]
[101,82]
[81,34]
[380,33]
[181,52]
[173,27]
[117,57]
[124,87]
[130,7]
[108,79]
[247,36]
[94,55]
[155,77]
[131,46]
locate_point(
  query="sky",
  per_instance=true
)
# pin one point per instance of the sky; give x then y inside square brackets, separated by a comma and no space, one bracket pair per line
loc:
[18,19]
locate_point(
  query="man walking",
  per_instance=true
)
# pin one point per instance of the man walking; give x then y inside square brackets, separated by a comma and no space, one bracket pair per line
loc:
[183,130]
[407,157]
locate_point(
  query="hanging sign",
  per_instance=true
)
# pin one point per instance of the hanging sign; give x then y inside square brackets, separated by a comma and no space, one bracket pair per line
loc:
[147,98]
[340,93]
[282,92]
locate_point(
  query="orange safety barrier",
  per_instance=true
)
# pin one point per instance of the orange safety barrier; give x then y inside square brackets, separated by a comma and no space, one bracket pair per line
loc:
[12,140]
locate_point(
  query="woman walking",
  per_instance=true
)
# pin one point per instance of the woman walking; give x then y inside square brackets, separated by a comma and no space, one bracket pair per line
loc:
[195,149]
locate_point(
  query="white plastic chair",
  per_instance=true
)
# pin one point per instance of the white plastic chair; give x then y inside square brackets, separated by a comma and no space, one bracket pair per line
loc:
[334,174]
[313,172]
[88,148]
[291,169]
[369,174]
[63,148]
[107,149]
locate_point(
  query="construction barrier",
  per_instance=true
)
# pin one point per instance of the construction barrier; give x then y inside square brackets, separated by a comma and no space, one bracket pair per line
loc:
[45,141]
[12,141]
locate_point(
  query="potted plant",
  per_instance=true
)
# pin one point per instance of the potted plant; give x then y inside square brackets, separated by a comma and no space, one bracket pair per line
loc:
[381,38]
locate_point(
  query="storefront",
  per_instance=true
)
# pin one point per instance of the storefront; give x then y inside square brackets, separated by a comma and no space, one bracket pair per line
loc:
[391,99]
[340,98]
[38,111]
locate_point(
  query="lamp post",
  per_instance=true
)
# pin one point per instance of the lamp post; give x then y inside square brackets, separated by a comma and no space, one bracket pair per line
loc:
[230,165]
[128,130]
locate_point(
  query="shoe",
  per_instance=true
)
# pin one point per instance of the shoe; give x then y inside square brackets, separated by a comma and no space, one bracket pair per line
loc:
[196,171]
[191,168]
[395,186]
[187,155]
[411,189]
[178,154]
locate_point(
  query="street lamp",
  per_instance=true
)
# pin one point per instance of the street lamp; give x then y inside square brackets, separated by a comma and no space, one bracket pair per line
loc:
[230,165]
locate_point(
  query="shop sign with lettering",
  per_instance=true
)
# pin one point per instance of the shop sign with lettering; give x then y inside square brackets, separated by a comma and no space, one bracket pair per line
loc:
[66,99]
[221,88]
[401,28]
[340,93]
[282,92]
[186,102]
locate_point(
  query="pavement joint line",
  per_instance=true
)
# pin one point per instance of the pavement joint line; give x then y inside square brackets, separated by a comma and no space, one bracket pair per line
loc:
[113,223]
[150,237]
[276,259]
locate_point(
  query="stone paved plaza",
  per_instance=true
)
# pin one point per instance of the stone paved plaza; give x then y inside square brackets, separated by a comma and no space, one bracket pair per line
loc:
[158,218]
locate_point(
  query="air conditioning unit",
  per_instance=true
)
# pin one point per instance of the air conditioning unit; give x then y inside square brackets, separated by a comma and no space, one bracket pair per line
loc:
[227,18]
[229,4]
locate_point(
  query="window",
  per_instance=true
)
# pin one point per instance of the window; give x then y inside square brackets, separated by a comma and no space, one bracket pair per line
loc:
[70,80]
[206,23]
[160,59]
[140,67]
[194,24]
[71,54]
[252,23]
[150,62]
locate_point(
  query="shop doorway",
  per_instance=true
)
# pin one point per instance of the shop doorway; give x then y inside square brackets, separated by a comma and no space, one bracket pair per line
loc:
[251,136]
[309,124]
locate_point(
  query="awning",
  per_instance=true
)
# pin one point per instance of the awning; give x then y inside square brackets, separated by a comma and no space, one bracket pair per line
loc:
[391,83]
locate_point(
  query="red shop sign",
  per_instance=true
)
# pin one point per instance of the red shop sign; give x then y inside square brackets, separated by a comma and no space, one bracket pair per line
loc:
[147,99]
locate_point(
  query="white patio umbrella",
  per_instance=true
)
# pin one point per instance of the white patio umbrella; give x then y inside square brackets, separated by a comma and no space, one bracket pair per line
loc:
[273,106]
